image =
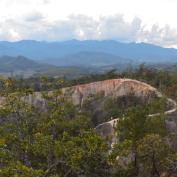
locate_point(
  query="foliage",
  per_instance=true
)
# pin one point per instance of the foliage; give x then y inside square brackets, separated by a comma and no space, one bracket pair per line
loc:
[142,147]
[51,142]
[60,141]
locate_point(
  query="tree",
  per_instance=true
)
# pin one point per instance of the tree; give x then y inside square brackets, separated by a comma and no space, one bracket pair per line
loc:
[55,141]
[142,147]
[154,155]
[132,127]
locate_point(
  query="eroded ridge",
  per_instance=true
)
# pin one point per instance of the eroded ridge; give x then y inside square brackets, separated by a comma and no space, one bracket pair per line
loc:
[111,88]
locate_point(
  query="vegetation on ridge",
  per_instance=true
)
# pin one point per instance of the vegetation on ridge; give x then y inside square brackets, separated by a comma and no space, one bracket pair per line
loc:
[62,142]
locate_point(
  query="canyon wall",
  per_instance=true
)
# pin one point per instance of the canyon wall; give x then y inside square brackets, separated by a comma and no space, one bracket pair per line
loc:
[108,88]
[111,88]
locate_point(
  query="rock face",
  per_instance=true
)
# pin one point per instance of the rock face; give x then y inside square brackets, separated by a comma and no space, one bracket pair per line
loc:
[111,88]
[123,87]
[106,130]
[108,88]
[171,123]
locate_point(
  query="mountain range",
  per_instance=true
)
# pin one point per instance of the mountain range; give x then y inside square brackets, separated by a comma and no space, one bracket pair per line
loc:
[91,59]
[75,57]
[76,52]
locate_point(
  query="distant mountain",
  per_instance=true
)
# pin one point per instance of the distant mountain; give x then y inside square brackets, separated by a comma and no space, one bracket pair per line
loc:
[25,67]
[20,63]
[88,59]
[53,51]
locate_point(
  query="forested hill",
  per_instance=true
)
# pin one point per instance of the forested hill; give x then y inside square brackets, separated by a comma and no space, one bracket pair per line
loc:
[21,66]
[12,64]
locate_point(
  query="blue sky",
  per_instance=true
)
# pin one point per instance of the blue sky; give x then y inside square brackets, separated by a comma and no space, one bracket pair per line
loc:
[152,21]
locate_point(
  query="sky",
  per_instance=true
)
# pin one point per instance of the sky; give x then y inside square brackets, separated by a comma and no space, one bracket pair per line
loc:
[151,21]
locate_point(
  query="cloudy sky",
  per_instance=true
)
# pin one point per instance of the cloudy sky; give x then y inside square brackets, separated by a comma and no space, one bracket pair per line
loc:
[152,21]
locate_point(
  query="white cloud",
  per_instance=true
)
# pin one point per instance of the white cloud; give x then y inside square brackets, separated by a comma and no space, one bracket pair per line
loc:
[165,36]
[115,27]
[34,16]
[36,26]
[141,20]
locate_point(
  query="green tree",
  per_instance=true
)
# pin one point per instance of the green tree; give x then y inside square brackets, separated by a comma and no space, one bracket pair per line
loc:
[132,127]
[52,140]
[155,156]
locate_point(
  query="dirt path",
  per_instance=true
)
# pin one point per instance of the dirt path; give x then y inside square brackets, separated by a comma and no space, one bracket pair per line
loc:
[174,109]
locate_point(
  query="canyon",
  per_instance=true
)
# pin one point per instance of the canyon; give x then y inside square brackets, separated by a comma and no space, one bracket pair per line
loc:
[113,88]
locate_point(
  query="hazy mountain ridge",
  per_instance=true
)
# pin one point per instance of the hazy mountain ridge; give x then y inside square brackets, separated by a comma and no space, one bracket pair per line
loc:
[55,50]
[85,58]
[25,67]
[11,64]
[75,58]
